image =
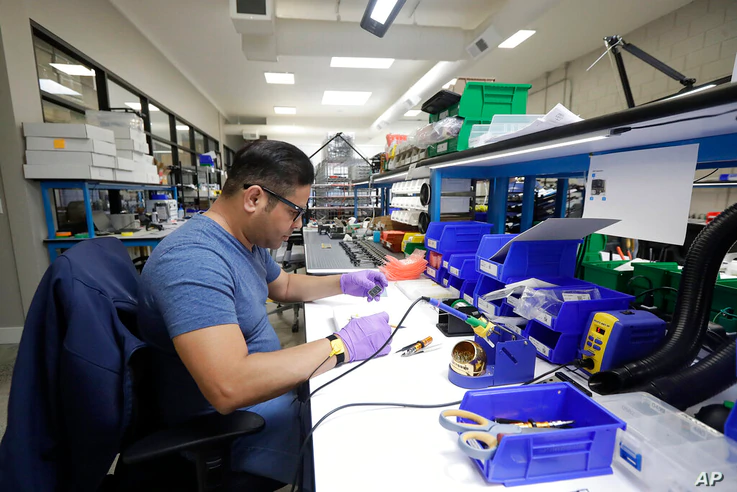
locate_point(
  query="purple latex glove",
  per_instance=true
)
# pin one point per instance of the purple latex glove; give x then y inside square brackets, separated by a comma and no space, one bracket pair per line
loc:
[360,283]
[363,336]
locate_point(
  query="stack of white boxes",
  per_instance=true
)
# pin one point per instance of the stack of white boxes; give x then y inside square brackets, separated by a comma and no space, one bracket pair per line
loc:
[77,151]
[69,151]
[134,165]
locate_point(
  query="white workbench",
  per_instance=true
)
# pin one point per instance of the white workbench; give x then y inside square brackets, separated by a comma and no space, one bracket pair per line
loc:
[393,449]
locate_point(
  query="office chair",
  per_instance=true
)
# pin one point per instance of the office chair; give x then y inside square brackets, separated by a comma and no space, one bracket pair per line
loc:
[81,393]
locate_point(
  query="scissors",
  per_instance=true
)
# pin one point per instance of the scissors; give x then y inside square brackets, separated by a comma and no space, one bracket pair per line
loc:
[479,429]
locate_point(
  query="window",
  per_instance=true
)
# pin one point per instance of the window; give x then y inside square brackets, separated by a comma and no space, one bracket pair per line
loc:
[199,143]
[160,124]
[53,113]
[121,98]
[183,135]
[63,77]
[187,158]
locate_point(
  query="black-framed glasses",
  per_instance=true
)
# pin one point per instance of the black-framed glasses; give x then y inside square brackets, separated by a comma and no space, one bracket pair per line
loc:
[298,211]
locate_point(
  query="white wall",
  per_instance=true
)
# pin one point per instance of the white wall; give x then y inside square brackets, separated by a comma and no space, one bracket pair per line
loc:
[699,40]
[98,30]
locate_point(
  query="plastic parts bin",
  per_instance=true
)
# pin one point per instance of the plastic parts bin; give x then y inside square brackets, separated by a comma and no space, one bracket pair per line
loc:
[582,451]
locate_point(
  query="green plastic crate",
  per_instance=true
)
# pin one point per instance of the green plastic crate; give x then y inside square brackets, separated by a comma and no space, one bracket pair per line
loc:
[597,243]
[602,273]
[724,297]
[478,105]
[659,276]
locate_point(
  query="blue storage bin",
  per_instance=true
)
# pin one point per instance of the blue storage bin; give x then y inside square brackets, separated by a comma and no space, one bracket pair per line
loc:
[436,275]
[484,285]
[574,315]
[456,284]
[553,346]
[467,290]
[526,259]
[462,266]
[583,451]
[455,237]
[730,426]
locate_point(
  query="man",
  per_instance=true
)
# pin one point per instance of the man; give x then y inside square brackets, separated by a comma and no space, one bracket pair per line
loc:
[202,307]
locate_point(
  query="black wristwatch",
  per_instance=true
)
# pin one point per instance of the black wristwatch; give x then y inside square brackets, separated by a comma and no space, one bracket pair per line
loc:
[338,349]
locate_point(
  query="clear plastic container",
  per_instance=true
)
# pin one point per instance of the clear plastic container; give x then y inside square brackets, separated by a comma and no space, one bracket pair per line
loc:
[501,124]
[667,450]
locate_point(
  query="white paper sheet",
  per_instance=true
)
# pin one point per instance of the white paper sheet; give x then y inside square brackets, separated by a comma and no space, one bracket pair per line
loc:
[649,190]
[556,229]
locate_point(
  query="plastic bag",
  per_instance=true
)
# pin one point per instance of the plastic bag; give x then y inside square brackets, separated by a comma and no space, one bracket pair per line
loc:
[515,288]
[436,132]
[536,303]
[409,268]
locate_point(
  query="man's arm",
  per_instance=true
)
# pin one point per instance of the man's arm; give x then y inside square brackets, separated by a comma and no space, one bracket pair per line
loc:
[290,287]
[230,378]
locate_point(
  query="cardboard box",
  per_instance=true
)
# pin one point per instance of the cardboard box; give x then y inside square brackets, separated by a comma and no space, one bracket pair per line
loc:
[44,157]
[67,130]
[136,156]
[67,171]
[131,144]
[124,175]
[70,145]
[125,164]
[461,83]
[152,178]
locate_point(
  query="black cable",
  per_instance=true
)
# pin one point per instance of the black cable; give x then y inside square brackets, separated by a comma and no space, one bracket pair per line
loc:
[704,177]
[649,281]
[556,368]
[334,410]
[625,129]
[318,367]
[645,292]
[388,340]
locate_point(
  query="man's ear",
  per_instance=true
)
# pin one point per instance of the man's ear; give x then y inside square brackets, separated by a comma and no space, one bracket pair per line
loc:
[251,198]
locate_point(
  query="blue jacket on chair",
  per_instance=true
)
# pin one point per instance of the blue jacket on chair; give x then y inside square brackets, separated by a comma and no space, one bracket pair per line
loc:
[71,395]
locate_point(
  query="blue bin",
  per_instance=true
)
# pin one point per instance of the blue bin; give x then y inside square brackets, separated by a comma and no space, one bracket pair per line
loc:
[573,316]
[436,275]
[467,290]
[564,454]
[553,346]
[730,426]
[455,237]
[484,285]
[526,259]
[462,266]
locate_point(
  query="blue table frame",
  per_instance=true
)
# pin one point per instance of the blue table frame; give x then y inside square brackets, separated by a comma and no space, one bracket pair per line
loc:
[53,244]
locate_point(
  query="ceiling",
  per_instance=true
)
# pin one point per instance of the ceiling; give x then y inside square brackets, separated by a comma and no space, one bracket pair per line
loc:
[200,39]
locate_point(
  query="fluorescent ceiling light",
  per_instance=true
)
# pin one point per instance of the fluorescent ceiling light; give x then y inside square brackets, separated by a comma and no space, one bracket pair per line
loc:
[412,113]
[52,87]
[285,110]
[279,78]
[450,83]
[379,15]
[137,106]
[182,127]
[694,91]
[351,62]
[516,39]
[162,151]
[80,70]
[519,152]
[345,98]
[382,9]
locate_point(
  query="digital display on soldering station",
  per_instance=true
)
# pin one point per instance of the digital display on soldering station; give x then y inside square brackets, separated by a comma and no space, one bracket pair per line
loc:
[600,331]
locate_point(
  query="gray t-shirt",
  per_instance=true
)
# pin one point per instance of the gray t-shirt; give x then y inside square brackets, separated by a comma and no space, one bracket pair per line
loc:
[201,276]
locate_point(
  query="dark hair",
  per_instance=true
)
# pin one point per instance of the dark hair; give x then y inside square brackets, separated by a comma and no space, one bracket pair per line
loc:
[279,166]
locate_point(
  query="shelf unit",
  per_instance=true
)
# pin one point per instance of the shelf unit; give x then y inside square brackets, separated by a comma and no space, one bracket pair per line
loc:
[564,152]
[334,195]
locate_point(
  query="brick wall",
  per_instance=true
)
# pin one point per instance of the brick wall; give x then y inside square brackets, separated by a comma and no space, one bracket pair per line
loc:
[699,40]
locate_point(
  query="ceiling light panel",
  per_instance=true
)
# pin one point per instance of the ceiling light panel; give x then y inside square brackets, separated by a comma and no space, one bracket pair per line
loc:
[285,110]
[279,78]
[412,113]
[137,106]
[516,39]
[350,62]
[345,98]
[79,70]
[382,10]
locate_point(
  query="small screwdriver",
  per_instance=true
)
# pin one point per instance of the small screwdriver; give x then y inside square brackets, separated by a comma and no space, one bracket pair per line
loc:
[416,347]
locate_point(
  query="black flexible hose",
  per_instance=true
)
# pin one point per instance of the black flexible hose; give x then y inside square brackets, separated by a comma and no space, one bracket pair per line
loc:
[711,375]
[691,316]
